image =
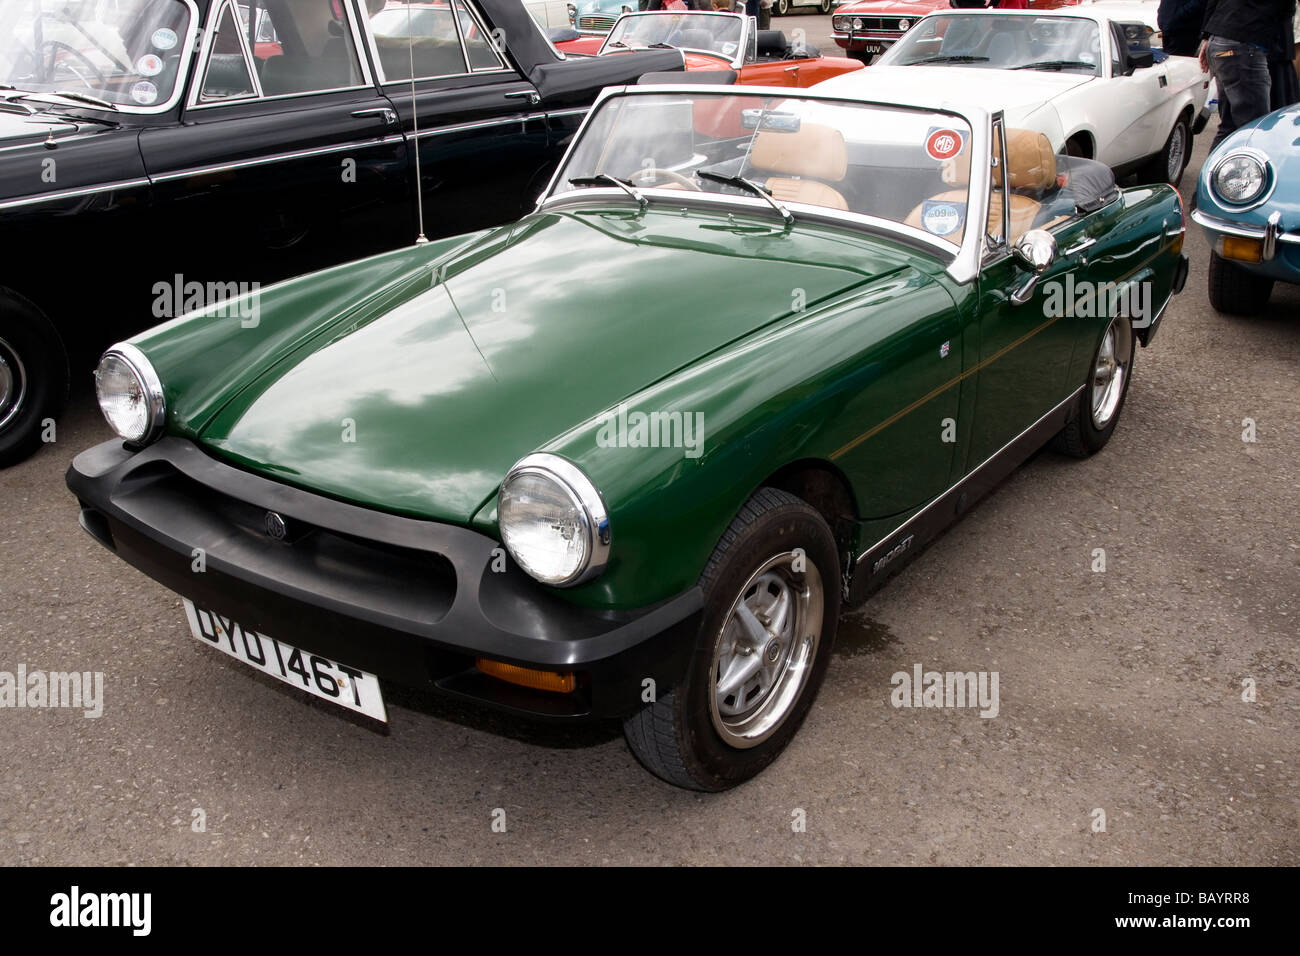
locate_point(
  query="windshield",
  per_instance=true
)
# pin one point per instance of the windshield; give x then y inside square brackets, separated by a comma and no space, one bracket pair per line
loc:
[125,52]
[1005,42]
[907,166]
[708,32]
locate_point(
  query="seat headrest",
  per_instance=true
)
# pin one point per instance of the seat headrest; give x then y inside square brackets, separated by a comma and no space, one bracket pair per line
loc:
[815,151]
[1031,164]
[772,43]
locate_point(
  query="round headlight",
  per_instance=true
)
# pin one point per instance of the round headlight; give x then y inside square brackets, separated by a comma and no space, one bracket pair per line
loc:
[553,521]
[1239,178]
[904,24]
[857,23]
[129,393]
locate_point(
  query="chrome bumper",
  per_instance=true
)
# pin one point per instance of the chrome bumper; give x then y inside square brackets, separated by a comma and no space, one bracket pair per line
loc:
[1269,235]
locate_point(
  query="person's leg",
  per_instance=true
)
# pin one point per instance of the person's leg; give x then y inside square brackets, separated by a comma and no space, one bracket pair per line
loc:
[1244,83]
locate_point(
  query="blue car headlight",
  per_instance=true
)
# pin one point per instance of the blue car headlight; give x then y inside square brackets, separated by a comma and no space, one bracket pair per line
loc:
[1240,178]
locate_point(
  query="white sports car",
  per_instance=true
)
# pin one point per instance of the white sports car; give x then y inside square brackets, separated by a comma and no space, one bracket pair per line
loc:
[1088,78]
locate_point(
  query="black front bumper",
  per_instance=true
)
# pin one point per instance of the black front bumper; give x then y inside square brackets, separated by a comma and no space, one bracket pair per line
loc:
[413,602]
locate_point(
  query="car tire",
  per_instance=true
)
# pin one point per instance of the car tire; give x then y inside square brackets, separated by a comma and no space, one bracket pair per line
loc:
[1094,416]
[1234,290]
[33,376]
[778,553]
[781,7]
[1167,165]
[826,7]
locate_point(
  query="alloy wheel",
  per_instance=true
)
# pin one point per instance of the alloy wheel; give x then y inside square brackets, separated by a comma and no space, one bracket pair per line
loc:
[1110,371]
[13,383]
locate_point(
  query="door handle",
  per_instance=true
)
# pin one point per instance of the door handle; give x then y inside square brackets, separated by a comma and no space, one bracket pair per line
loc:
[792,69]
[533,96]
[389,114]
[1080,246]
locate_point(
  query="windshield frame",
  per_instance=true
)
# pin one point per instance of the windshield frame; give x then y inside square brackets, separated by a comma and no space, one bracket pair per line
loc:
[735,62]
[963,263]
[173,99]
[1098,22]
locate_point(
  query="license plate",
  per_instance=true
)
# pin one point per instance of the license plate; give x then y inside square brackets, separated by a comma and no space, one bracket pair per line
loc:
[330,680]
[875,48]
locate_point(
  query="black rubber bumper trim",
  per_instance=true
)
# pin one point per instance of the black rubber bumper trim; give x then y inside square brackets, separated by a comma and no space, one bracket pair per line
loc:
[407,620]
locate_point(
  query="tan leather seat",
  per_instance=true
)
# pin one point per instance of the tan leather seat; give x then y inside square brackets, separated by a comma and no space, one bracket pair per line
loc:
[1031,172]
[810,159]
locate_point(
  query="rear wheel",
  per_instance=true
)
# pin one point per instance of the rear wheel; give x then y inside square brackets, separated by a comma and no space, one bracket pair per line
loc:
[781,7]
[33,377]
[826,6]
[772,603]
[1234,291]
[1167,165]
[1093,419]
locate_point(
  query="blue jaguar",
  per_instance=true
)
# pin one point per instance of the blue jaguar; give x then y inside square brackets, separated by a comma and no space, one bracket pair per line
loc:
[1248,201]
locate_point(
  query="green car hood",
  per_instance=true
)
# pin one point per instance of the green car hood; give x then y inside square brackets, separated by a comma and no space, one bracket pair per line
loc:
[421,403]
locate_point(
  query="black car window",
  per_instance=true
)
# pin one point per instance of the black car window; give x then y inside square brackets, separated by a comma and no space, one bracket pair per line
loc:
[481,46]
[228,75]
[316,51]
[420,33]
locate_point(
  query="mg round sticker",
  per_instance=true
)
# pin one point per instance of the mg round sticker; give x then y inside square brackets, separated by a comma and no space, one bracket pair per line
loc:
[144,93]
[164,39]
[149,65]
[943,144]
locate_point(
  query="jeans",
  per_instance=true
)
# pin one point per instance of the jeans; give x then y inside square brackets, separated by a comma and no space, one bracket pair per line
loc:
[1244,83]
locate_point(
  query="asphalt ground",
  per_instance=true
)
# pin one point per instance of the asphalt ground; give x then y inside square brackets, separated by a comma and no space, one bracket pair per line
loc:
[1121,691]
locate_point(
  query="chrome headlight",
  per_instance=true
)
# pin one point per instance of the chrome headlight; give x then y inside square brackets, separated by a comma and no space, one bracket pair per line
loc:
[553,521]
[130,394]
[857,23]
[904,24]
[1240,178]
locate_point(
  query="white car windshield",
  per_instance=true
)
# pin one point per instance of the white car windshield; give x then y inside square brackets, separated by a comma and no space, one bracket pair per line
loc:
[709,32]
[124,52]
[1001,42]
[906,166]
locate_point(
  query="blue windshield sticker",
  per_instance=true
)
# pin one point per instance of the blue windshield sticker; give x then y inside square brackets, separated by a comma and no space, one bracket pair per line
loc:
[942,218]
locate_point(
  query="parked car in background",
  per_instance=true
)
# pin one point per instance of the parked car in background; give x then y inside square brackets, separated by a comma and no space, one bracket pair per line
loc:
[1085,80]
[867,28]
[1248,203]
[718,41]
[666,535]
[173,152]
[598,16]
[553,14]
[781,8]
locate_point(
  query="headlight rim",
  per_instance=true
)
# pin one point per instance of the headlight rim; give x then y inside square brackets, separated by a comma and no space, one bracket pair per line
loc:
[150,385]
[583,490]
[1266,168]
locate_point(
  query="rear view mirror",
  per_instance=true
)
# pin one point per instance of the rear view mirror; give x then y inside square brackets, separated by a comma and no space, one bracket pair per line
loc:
[1141,59]
[1034,252]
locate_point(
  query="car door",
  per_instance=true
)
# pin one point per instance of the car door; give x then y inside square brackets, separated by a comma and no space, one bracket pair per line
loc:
[283,163]
[1025,347]
[482,133]
[1141,126]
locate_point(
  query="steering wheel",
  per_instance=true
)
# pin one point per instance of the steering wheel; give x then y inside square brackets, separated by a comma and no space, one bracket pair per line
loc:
[654,174]
[56,47]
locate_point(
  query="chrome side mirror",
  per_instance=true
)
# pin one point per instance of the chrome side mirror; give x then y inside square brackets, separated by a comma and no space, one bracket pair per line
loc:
[1035,251]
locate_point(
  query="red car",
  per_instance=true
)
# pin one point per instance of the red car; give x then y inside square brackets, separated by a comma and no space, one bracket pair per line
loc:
[868,28]
[716,41]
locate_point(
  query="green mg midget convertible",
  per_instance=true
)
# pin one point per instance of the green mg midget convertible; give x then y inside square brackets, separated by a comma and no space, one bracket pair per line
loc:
[629,457]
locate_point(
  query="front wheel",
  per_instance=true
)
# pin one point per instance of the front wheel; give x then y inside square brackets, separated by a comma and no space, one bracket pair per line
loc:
[772,603]
[826,7]
[1093,419]
[33,377]
[1235,291]
[1167,165]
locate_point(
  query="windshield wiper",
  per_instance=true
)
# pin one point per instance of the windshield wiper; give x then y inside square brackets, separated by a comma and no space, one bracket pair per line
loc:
[952,58]
[86,98]
[605,179]
[1057,65]
[762,192]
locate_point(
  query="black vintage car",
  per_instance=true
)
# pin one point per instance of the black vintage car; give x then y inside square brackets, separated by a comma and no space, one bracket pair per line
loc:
[159,155]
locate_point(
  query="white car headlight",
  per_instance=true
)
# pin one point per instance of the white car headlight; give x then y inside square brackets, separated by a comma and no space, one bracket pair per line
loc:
[904,24]
[1239,178]
[130,394]
[857,23]
[553,521]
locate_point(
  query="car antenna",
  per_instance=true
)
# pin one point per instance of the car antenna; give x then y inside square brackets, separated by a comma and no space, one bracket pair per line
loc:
[420,239]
